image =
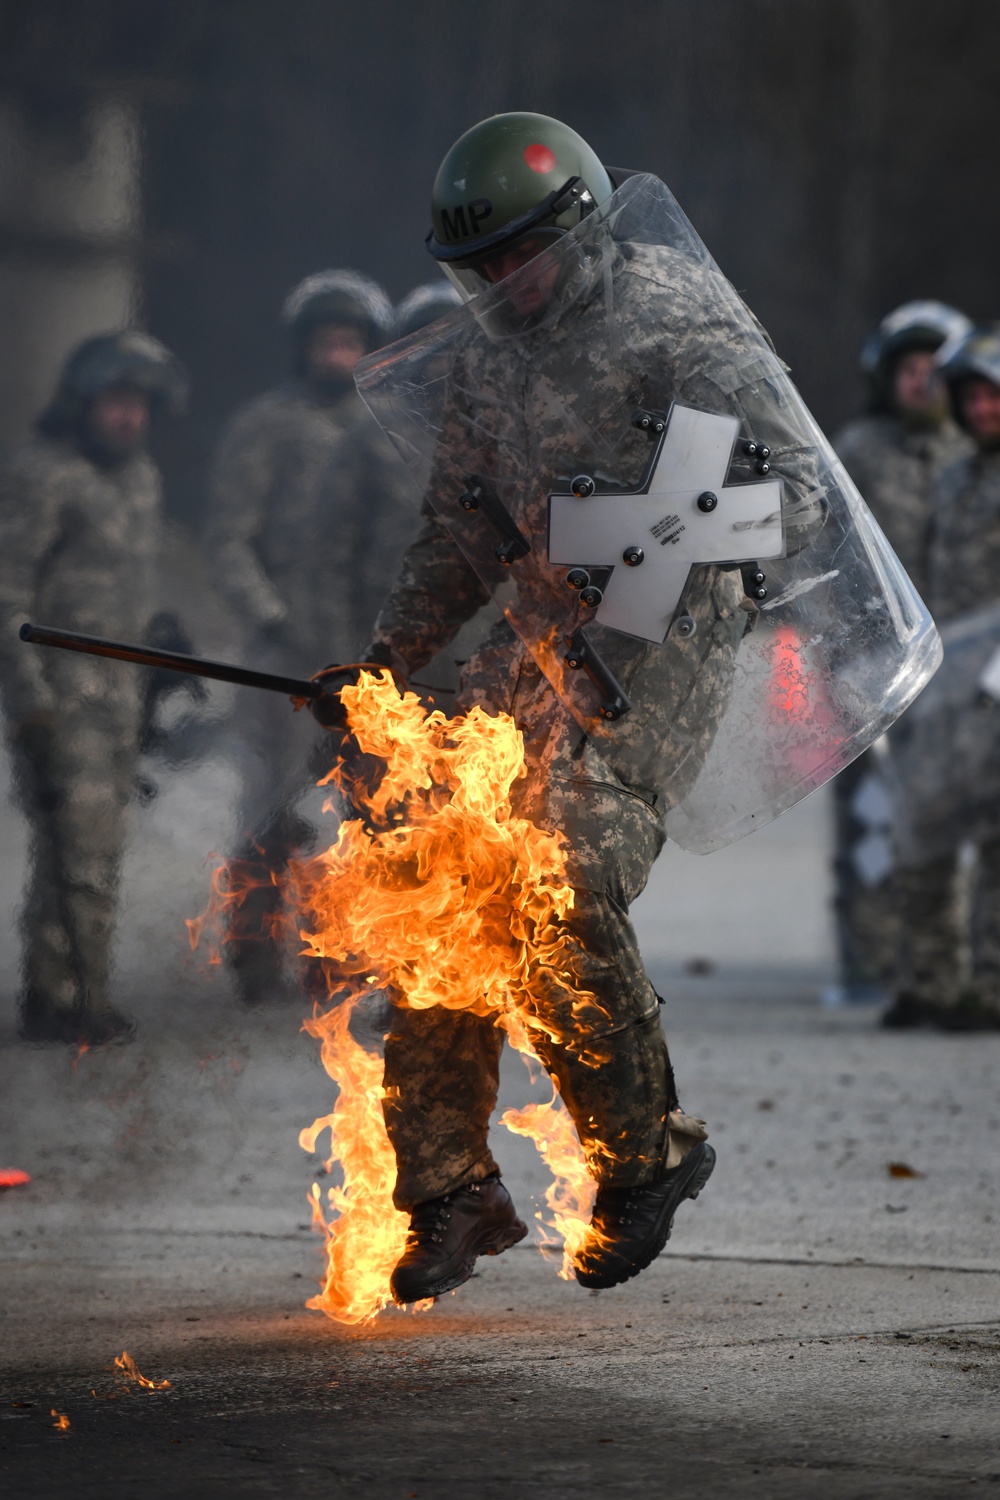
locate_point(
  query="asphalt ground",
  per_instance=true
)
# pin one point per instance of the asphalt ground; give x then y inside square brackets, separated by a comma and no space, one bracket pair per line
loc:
[822,1322]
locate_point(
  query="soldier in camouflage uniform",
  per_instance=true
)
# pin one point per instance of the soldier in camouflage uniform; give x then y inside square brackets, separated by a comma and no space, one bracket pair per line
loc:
[278,551]
[606,795]
[894,453]
[964,570]
[79,535]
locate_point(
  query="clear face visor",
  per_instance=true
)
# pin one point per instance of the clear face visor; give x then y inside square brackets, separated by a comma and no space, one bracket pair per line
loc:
[524,286]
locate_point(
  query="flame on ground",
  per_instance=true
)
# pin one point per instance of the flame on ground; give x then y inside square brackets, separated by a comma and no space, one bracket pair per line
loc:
[62,1422]
[437,893]
[127,1365]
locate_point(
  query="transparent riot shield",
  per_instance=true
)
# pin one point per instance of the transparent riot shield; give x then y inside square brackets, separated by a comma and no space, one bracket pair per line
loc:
[612,442]
[944,756]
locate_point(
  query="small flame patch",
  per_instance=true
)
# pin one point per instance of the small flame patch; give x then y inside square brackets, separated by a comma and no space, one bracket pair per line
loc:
[127,1365]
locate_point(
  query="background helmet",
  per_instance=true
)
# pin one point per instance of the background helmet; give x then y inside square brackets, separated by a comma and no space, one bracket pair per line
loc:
[130,358]
[915,325]
[510,176]
[423,305]
[977,355]
[338,297]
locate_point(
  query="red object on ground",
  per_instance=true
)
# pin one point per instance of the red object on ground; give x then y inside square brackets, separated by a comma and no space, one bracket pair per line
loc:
[11,1177]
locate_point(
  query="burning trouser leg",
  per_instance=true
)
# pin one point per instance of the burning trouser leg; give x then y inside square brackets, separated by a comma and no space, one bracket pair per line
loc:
[601,1039]
[76,804]
[441,1078]
[608,1051]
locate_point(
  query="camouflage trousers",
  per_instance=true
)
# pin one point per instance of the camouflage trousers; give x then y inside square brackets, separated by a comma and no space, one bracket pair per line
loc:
[442,1067]
[949,956]
[865,903]
[77,806]
[280,755]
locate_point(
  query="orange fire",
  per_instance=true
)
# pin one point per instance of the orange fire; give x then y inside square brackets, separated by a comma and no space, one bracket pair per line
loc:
[62,1422]
[127,1365]
[437,894]
[441,896]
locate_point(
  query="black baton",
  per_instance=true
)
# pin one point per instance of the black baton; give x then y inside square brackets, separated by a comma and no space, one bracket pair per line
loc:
[173,661]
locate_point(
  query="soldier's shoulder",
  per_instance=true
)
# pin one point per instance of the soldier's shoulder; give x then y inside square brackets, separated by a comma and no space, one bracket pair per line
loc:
[952,443]
[866,435]
[663,287]
[44,463]
[660,268]
[273,410]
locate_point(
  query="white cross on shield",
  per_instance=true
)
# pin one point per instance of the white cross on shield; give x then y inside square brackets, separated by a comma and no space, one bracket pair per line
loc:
[683,515]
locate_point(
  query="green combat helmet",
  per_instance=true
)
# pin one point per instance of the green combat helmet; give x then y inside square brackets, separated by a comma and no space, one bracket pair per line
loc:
[976,356]
[511,178]
[346,297]
[915,325]
[129,358]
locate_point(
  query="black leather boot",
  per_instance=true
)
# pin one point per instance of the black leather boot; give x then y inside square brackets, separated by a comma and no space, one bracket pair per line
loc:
[447,1234]
[630,1226]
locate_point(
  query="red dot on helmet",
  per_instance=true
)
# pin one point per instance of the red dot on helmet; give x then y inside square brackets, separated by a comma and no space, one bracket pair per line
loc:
[540,158]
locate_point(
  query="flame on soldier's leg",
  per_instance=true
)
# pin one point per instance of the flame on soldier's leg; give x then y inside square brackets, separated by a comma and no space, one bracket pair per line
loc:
[438,893]
[570,1195]
[365,1238]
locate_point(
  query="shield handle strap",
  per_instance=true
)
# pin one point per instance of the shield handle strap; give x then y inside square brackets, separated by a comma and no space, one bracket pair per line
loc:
[479,494]
[583,654]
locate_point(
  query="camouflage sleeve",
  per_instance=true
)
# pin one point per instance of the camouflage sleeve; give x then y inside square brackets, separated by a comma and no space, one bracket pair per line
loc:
[29,526]
[434,595]
[241,479]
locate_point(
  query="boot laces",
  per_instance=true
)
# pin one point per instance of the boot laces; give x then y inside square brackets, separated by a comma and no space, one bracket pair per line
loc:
[427,1220]
[614,1206]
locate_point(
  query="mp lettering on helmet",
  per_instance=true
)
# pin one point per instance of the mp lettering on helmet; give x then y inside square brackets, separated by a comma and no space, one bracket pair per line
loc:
[457,226]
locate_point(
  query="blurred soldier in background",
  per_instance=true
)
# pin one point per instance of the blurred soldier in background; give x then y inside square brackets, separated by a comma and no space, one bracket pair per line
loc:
[79,536]
[279,561]
[370,503]
[894,453]
[964,572]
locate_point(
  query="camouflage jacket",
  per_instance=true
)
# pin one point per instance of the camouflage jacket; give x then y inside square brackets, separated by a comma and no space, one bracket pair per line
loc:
[895,466]
[660,327]
[368,515]
[266,527]
[965,538]
[78,545]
